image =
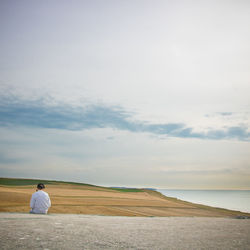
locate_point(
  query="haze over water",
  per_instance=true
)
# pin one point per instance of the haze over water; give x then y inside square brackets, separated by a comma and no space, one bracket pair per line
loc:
[230,199]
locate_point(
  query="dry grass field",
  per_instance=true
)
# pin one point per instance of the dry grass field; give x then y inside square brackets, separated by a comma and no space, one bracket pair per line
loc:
[87,199]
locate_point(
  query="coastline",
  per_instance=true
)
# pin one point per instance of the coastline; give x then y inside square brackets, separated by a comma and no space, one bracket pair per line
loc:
[237,200]
[68,198]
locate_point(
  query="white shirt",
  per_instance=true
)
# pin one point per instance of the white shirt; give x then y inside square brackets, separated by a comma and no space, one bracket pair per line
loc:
[40,202]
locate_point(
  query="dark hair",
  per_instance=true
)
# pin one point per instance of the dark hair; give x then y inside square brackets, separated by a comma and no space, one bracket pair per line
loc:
[40,186]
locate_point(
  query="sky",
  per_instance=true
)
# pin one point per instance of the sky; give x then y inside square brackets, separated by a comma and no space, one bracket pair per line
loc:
[135,93]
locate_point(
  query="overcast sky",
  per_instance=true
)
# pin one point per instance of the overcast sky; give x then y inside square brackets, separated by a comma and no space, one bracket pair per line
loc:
[138,93]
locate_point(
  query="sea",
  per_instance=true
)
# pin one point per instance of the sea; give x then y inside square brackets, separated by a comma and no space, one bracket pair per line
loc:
[238,200]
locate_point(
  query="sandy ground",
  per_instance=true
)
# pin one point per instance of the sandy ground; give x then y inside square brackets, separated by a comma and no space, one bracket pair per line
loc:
[60,231]
[75,199]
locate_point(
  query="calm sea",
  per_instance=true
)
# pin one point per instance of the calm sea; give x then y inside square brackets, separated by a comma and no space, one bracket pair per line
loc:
[231,199]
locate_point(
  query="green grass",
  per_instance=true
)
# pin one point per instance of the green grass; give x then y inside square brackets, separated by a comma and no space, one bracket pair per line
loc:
[24,182]
[127,189]
[21,182]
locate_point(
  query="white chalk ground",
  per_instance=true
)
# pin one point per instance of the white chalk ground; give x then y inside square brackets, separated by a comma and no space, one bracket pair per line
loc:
[61,231]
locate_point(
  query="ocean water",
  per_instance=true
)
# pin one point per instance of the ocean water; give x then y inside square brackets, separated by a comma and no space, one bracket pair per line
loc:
[238,200]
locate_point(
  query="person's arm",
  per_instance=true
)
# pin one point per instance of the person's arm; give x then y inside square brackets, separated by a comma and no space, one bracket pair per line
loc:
[32,201]
[49,202]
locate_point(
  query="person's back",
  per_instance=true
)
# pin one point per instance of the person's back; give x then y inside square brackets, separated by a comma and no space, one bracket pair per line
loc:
[40,201]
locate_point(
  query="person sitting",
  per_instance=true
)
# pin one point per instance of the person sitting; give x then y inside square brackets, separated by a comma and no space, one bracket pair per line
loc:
[40,201]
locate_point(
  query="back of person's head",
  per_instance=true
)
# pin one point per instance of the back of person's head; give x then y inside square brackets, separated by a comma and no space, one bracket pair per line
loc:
[40,186]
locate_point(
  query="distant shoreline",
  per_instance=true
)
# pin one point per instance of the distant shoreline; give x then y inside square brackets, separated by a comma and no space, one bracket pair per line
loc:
[238,200]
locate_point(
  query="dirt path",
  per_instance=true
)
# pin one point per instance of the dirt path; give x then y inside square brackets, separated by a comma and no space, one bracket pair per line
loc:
[60,231]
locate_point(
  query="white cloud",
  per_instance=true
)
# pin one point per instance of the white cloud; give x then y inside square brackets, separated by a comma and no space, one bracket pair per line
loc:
[164,61]
[130,159]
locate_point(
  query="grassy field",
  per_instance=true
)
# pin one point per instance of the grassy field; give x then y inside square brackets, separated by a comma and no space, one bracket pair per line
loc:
[78,198]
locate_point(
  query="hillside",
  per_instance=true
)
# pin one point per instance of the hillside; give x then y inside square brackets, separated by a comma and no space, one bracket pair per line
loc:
[79,198]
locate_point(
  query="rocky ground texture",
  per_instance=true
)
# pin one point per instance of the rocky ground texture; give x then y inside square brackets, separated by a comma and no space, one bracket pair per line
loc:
[60,231]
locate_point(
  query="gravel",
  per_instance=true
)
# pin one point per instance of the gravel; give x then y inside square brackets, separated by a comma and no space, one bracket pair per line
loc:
[64,231]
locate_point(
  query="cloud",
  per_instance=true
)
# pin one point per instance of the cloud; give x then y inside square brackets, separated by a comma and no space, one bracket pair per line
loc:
[229,133]
[197,172]
[225,113]
[17,112]
[38,114]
